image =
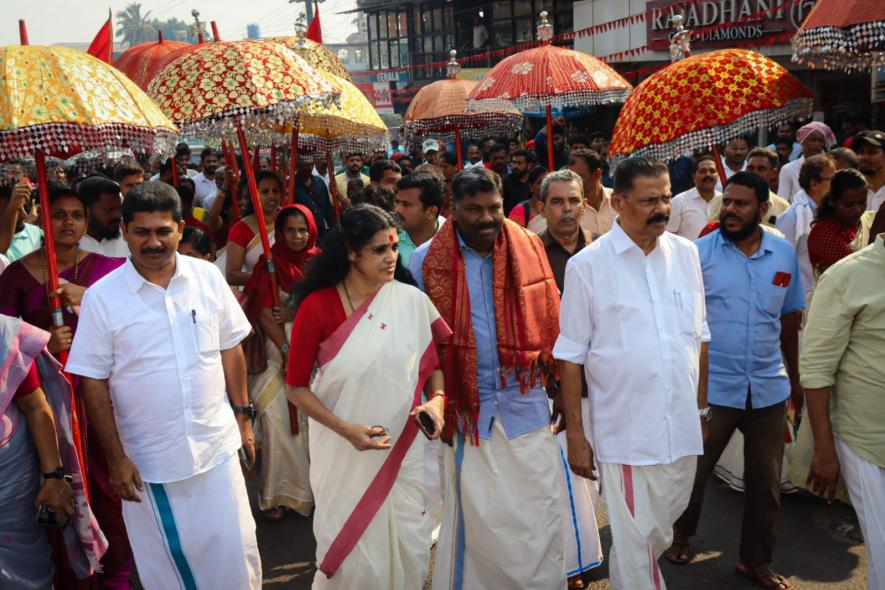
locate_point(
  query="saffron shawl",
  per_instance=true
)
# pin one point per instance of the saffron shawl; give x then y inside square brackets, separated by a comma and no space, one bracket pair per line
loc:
[526,316]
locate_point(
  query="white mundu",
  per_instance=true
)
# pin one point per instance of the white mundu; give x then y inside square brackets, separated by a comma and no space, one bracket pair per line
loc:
[160,350]
[636,322]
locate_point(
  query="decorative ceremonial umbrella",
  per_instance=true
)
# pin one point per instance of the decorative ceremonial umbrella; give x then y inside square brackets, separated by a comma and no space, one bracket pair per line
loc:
[144,61]
[320,57]
[56,101]
[847,34]
[705,99]
[548,77]
[441,109]
[231,89]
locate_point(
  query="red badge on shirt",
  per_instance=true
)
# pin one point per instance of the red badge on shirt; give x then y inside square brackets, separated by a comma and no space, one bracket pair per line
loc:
[782,279]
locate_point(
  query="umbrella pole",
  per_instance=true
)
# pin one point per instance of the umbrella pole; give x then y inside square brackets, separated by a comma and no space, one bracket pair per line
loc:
[333,186]
[259,215]
[174,163]
[458,153]
[256,160]
[55,300]
[719,167]
[293,163]
[23,32]
[549,138]
[230,159]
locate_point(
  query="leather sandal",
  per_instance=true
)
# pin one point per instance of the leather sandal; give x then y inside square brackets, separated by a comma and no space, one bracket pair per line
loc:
[764,576]
[679,552]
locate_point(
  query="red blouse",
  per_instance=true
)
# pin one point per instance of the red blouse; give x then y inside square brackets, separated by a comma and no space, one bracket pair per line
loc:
[31,382]
[319,315]
[240,233]
[829,242]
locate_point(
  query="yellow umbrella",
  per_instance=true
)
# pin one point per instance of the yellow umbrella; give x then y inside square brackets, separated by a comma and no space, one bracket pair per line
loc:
[61,101]
[318,56]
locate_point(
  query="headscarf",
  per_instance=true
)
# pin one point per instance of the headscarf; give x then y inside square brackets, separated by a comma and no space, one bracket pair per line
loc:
[822,128]
[289,264]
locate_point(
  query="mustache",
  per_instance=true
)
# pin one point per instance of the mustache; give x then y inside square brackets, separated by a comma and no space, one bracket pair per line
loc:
[730,218]
[153,250]
[659,218]
[568,218]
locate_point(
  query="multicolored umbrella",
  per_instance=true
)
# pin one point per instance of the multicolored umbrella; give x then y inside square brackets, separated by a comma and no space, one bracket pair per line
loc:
[440,109]
[144,61]
[223,90]
[846,34]
[320,57]
[704,100]
[548,77]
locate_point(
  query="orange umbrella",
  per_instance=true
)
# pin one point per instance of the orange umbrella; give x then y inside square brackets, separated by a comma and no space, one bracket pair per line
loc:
[440,109]
[705,99]
[142,62]
[549,77]
[847,34]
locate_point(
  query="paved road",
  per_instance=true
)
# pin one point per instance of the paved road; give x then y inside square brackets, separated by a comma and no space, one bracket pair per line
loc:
[818,547]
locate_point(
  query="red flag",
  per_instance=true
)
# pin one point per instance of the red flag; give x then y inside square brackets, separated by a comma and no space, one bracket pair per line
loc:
[315,31]
[102,45]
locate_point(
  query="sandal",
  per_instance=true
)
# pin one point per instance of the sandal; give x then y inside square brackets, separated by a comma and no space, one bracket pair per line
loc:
[678,552]
[274,514]
[764,576]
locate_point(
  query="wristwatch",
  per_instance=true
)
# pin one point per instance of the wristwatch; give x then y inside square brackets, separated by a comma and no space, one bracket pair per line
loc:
[284,349]
[705,413]
[57,474]
[245,410]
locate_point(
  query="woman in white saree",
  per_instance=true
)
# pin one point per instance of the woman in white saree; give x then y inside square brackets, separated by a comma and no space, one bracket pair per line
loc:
[373,340]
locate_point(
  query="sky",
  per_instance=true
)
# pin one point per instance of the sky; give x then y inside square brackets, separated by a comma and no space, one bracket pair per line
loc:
[71,21]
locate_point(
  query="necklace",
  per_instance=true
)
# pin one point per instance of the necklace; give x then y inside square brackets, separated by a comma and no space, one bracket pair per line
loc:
[46,272]
[347,294]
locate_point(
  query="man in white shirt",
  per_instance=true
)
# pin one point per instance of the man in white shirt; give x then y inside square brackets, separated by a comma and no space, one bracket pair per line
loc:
[814,137]
[815,177]
[205,186]
[691,211]
[105,207]
[474,156]
[157,346]
[633,317]
[870,147]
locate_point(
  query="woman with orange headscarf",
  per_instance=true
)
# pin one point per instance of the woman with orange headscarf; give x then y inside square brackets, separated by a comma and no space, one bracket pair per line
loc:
[284,456]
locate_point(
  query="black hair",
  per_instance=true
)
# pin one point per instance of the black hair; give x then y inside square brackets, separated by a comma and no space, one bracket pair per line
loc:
[633,167]
[356,227]
[449,158]
[149,197]
[529,156]
[813,169]
[559,130]
[761,152]
[784,141]
[535,173]
[752,181]
[378,196]
[91,189]
[590,157]
[846,156]
[844,180]
[59,189]
[123,170]
[350,154]
[431,188]
[474,180]
[579,138]
[182,148]
[198,239]
[206,152]
[497,147]
[186,193]
[379,167]
[596,135]
[243,187]
[696,163]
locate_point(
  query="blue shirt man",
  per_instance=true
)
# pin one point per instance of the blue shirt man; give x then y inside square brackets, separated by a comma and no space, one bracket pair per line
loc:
[746,297]
[519,413]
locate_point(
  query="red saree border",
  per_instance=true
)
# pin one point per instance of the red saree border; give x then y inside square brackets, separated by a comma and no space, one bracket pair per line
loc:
[332,345]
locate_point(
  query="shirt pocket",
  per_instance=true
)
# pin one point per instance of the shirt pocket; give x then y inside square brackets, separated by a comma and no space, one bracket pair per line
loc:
[205,333]
[771,299]
[689,309]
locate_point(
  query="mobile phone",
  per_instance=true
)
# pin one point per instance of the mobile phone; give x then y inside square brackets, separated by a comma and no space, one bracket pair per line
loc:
[426,424]
[47,517]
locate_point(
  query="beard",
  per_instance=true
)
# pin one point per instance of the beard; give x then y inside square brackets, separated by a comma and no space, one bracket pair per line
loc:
[110,232]
[746,230]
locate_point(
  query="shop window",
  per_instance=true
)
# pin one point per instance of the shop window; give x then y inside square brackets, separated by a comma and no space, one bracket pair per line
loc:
[343,55]
[359,56]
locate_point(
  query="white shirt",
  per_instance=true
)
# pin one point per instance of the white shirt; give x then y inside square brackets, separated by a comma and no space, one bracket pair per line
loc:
[205,190]
[875,198]
[690,213]
[788,179]
[4,262]
[795,224]
[116,248]
[728,172]
[636,323]
[190,174]
[469,165]
[160,349]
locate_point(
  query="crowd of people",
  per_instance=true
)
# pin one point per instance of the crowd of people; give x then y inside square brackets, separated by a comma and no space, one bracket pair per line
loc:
[439,353]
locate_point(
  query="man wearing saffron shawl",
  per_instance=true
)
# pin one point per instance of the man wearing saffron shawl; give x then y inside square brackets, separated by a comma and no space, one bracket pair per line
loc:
[490,280]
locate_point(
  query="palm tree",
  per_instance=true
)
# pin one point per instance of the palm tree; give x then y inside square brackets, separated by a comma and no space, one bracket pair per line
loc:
[133,27]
